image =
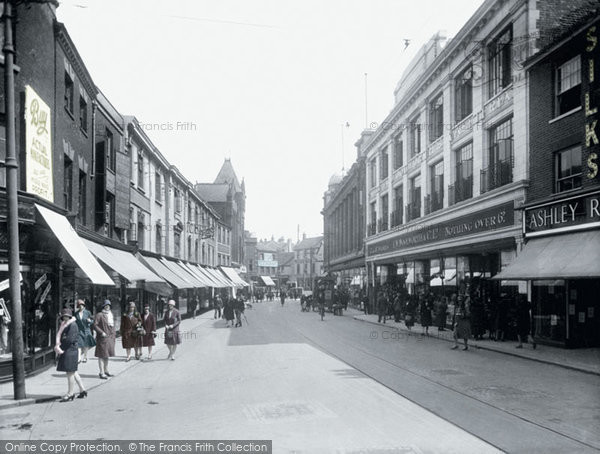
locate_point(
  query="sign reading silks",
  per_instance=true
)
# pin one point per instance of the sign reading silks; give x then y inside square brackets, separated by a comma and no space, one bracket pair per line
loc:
[38,146]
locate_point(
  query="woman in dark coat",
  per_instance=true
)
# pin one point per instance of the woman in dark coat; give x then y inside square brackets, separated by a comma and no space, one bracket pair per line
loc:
[441,309]
[84,321]
[130,321]
[228,313]
[172,321]
[425,314]
[68,354]
[149,325]
[409,312]
[104,325]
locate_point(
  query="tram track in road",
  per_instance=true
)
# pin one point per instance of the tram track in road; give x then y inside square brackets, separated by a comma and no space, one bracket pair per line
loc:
[352,349]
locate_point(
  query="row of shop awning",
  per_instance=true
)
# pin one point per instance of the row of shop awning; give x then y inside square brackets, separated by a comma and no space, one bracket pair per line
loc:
[154,271]
[268,281]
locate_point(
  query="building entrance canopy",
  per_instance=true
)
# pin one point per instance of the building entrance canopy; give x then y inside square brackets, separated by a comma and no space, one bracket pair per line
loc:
[570,256]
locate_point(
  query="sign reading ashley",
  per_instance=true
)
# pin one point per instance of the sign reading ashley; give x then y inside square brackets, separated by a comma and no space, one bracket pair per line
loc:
[497,217]
[38,146]
[568,214]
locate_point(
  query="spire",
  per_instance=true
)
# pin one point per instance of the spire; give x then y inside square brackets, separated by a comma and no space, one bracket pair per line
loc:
[227,175]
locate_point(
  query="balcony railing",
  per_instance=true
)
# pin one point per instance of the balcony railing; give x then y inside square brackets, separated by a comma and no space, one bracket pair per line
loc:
[434,202]
[372,228]
[461,190]
[413,211]
[500,170]
[397,217]
[382,224]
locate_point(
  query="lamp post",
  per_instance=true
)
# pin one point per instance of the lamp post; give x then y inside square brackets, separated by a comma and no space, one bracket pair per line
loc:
[12,166]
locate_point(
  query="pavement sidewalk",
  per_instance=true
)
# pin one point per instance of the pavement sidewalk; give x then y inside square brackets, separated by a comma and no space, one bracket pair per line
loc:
[50,385]
[583,359]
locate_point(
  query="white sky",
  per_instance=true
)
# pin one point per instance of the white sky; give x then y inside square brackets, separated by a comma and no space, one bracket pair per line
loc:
[267,83]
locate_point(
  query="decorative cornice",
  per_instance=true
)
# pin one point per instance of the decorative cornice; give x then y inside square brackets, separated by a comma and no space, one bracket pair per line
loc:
[63,38]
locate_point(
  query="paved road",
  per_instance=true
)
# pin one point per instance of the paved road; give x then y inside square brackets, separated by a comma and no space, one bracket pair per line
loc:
[334,386]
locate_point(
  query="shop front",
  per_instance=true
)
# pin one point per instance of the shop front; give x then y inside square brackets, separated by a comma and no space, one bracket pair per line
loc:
[52,256]
[560,263]
[456,251]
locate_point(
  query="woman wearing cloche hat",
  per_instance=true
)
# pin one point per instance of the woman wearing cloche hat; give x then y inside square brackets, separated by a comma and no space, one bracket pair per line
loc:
[104,325]
[172,320]
[68,354]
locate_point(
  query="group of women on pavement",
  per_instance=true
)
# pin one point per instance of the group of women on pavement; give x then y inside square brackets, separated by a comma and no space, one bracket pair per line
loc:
[74,338]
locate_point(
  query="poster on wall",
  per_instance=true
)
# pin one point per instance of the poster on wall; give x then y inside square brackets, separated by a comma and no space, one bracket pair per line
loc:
[38,146]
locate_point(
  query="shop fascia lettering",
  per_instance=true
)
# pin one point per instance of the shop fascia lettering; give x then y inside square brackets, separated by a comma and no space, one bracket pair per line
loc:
[573,212]
[591,120]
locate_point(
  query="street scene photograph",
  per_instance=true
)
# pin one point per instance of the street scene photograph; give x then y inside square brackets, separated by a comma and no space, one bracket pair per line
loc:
[260,226]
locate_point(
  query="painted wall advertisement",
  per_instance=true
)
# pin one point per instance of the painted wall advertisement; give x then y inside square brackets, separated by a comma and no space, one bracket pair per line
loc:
[38,146]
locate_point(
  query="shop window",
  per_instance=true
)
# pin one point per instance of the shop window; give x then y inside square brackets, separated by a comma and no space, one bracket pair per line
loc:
[413,208]
[398,152]
[435,200]
[463,94]
[500,62]
[568,169]
[568,85]
[436,118]
[383,222]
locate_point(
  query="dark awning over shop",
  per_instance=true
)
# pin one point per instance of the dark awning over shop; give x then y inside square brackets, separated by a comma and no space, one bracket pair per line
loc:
[75,247]
[570,256]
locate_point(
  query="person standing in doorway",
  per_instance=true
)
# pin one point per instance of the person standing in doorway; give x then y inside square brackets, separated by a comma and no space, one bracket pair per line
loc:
[172,321]
[84,321]
[381,307]
[524,322]
[104,325]
[149,325]
[68,354]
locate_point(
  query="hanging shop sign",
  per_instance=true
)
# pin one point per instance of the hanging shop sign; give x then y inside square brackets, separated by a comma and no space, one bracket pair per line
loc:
[38,146]
[573,213]
[489,219]
[591,89]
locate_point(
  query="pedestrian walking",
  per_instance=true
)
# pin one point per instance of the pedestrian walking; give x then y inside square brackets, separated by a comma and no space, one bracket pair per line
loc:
[84,321]
[196,306]
[478,324]
[524,321]
[172,321]
[441,311]
[425,309]
[381,307]
[218,305]
[149,325]
[239,308]
[462,321]
[68,354]
[397,307]
[410,309]
[282,297]
[131,323]
[228,312]
[104,325]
